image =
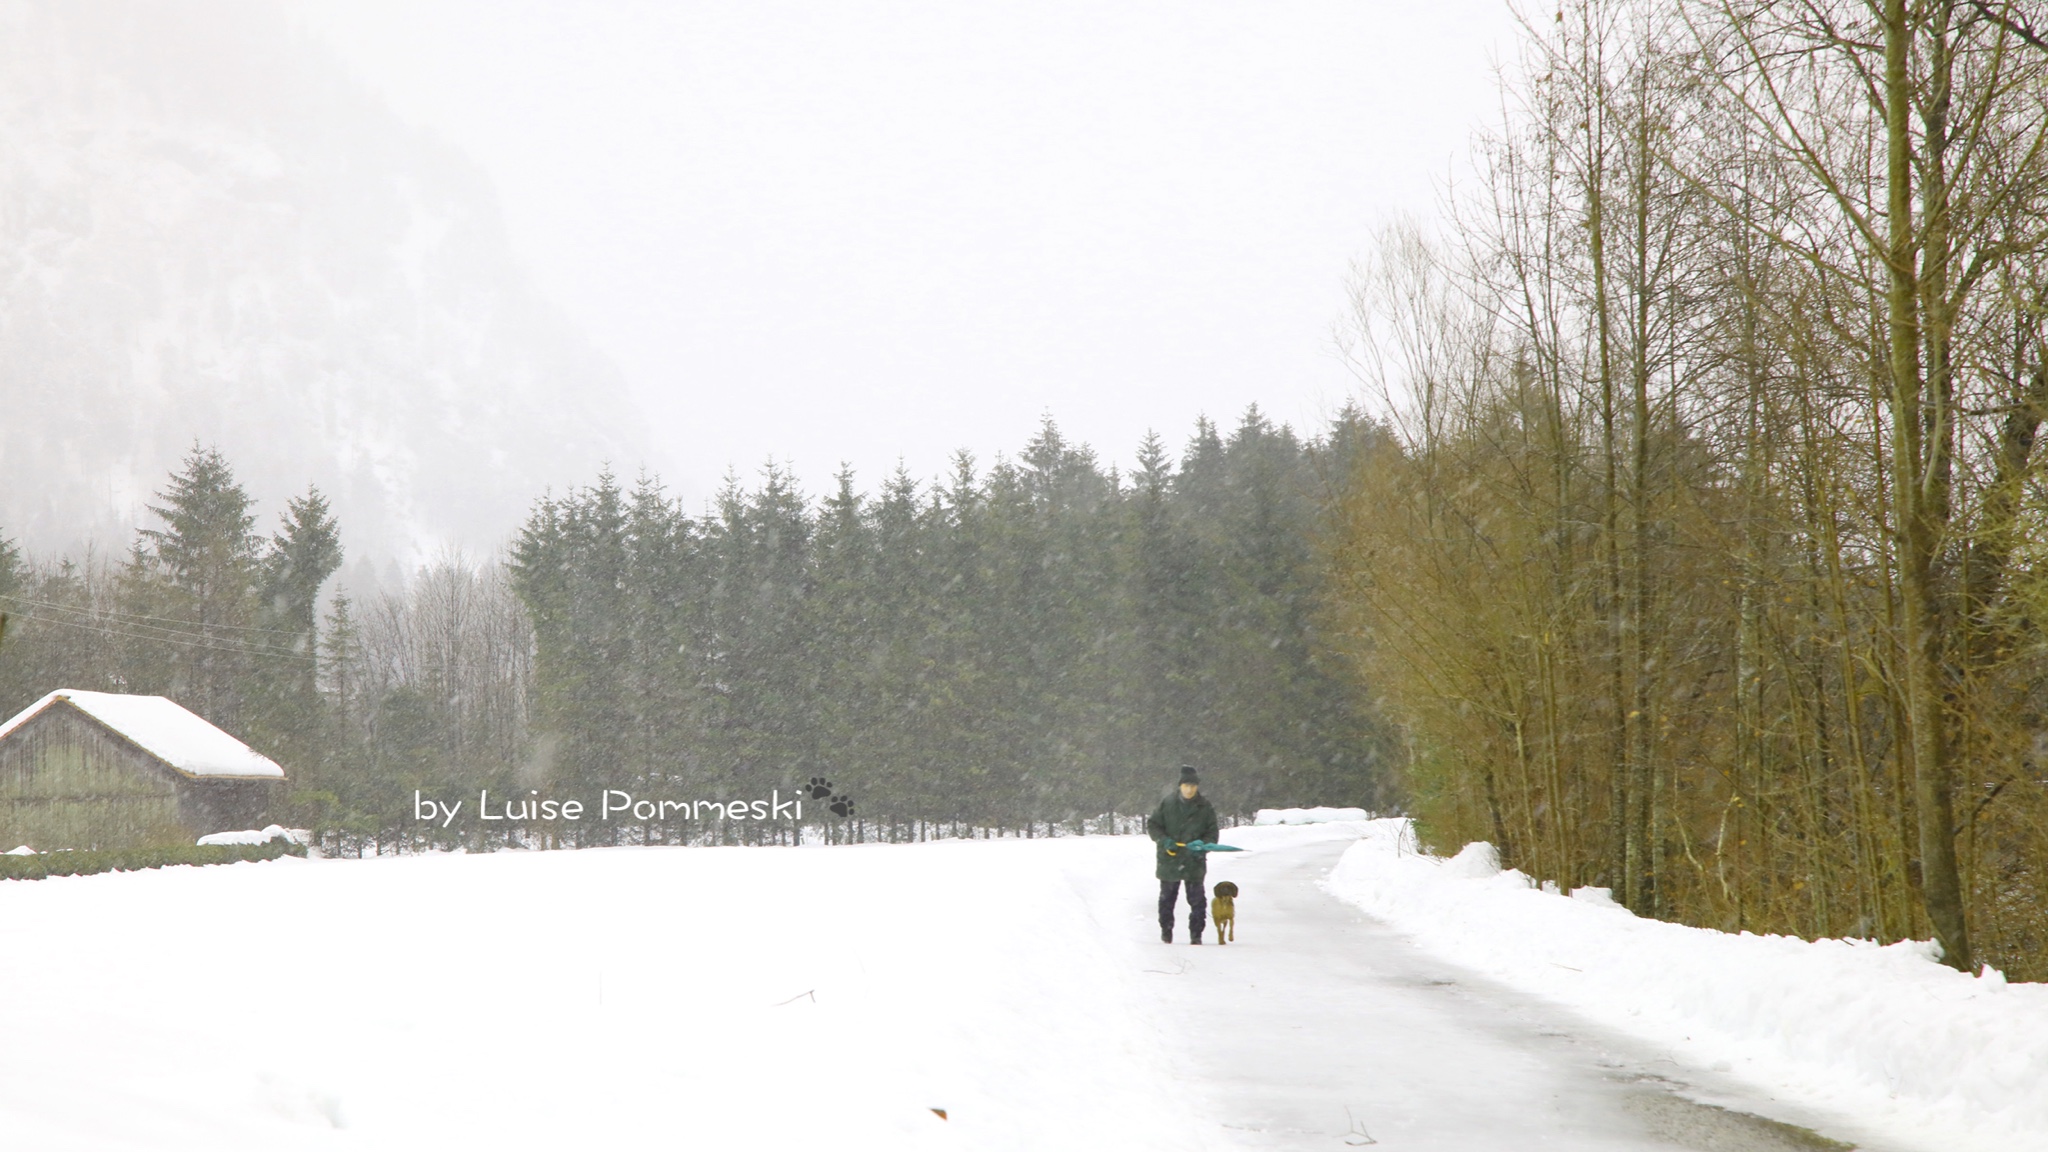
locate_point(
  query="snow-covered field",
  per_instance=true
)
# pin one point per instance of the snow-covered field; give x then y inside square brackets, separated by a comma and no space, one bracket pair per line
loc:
[832,997]
[732,998]
[1926,1055]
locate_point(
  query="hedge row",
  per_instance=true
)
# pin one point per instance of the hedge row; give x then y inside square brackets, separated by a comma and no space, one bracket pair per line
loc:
[133,859]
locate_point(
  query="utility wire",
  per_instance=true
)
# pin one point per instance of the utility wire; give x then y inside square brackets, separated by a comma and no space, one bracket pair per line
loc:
[141,616]
[120,626]
[184,640]
[200,642]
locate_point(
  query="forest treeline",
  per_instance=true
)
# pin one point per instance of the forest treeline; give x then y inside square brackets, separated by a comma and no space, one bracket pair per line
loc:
[1035,645]
[1707,567]
[1039,642]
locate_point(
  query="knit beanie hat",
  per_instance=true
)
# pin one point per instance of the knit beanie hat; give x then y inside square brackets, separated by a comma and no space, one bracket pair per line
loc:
[1187,774]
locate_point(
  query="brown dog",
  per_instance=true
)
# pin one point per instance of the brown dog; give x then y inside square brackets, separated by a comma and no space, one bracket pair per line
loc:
[1223,910]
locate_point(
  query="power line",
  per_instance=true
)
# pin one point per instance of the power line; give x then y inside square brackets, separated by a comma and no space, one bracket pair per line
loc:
[182,639]
[200,642]
[142,616]
[155,632]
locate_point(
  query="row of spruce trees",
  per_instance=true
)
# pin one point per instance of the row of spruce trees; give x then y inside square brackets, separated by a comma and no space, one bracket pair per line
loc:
[1030,647]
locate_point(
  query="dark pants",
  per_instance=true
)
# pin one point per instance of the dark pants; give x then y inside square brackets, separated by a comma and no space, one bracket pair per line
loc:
[1198,904]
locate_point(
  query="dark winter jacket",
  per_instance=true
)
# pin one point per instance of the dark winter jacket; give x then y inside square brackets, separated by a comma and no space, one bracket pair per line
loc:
[1173,824]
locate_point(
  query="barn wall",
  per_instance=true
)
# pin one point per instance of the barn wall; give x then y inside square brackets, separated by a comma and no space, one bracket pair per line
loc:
[65,782]
[223,805]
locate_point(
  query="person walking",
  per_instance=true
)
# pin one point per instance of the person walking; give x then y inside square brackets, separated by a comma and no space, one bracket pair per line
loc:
[1184,816]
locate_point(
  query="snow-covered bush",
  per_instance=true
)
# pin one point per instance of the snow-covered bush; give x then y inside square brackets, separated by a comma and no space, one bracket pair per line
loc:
[273,832]
[1309,815]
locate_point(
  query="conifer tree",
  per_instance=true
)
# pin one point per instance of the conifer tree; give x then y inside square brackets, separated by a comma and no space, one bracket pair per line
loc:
[200,570]
[304,552]
[284,693]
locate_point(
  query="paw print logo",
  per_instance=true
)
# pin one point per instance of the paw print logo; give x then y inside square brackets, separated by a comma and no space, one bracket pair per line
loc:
[841,806]
[819,788]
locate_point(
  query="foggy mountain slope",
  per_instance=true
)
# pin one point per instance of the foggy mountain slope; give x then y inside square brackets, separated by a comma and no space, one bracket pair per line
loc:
[208,231]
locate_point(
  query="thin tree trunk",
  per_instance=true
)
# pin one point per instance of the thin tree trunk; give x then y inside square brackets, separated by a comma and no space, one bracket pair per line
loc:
[1920,467]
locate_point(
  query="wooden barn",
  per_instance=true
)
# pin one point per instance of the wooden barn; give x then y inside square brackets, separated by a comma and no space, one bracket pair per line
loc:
[106,770]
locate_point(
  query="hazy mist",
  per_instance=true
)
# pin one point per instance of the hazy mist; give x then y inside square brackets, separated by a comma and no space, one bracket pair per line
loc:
[852,232]
[212,233]
[819,232]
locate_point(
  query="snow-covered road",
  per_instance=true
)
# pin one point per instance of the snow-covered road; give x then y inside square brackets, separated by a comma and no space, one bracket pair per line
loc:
[1321,1024]
[790,998]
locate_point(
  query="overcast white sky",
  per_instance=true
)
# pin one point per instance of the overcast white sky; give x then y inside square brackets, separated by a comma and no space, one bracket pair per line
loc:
[858,230]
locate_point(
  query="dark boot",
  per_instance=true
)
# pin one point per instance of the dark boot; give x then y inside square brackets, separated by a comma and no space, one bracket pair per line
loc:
[1166,935]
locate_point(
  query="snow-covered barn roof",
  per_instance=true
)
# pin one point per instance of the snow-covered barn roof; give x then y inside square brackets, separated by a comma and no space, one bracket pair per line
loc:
[165,730]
